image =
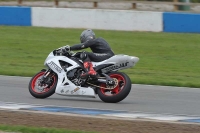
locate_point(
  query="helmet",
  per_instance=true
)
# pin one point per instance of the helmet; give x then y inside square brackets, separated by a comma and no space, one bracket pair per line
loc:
[87,35]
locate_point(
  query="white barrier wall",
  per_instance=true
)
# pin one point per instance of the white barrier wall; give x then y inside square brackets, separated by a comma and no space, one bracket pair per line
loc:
[97,19]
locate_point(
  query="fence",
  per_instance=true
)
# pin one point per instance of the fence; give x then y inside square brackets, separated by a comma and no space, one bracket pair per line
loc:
[176,4]
[125,20]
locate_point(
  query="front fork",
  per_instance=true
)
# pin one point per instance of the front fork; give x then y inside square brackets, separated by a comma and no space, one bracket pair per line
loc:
[45,78]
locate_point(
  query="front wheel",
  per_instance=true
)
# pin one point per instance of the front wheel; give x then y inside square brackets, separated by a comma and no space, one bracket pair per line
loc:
[120,91]
[40,89]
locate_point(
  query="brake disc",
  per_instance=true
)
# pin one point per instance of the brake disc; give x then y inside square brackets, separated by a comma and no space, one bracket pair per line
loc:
[109,87]
[39,86]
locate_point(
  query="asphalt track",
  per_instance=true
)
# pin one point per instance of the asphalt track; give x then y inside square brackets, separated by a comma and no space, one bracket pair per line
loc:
[142,98]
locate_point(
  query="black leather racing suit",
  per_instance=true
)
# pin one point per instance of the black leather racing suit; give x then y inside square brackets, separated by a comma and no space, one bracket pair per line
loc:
[100,48]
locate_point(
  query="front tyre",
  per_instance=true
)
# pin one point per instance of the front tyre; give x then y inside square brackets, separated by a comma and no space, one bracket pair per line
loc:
[117,94]
[38,89]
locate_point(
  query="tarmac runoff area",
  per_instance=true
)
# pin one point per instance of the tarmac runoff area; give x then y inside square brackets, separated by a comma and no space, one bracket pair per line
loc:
[91,118]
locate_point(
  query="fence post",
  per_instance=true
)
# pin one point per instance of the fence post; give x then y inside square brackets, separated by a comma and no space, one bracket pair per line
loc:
[95,4]
[19,2]
[175,5]
[56,3]
[134,5]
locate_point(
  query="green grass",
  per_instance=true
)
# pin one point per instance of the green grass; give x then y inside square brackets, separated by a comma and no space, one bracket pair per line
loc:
[165,58]
[26,129]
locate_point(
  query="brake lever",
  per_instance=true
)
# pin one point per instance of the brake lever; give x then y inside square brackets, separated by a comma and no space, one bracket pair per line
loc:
[57,52]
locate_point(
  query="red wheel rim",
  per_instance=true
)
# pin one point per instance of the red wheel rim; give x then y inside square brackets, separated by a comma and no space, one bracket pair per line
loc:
[34,83]
[117,89]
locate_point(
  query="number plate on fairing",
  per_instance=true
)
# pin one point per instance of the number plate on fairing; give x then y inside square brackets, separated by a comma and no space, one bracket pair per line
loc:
[53,65]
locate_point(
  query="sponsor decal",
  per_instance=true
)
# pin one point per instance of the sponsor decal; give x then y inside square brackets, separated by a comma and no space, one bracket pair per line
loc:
[62,91]
[115,67]
[83,92]
[100,54]
[75,90]
[67,91]
[53,65]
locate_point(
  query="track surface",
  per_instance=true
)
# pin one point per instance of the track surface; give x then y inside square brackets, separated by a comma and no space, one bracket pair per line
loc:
[143,98]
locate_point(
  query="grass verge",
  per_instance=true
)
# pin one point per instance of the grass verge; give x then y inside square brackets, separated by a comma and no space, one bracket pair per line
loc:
[26,129]
[165,58]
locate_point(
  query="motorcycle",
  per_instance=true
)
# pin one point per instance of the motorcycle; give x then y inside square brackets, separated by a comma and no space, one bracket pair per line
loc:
[63,71]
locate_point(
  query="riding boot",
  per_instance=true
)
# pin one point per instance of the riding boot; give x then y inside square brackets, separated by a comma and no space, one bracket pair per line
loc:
[90,71]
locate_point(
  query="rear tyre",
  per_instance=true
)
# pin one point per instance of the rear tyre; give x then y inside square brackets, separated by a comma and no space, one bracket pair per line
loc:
[39,90]
[117,94]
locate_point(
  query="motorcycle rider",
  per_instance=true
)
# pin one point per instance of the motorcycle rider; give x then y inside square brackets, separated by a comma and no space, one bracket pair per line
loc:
[100,51]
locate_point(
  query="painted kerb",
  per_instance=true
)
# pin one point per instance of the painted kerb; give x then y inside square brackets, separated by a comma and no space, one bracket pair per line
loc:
[18,16]
[97,19]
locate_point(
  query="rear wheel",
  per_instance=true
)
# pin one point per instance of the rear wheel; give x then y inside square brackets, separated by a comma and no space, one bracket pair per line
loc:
[120,91]
[40,89]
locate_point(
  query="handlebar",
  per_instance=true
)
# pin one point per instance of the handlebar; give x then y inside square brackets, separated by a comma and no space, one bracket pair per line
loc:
[59,52]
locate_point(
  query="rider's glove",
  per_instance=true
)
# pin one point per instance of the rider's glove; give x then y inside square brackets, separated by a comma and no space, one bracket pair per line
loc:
[67,47]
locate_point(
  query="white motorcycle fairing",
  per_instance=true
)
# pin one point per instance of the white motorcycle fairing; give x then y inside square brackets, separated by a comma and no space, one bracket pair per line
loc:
[117,62]
[66,87]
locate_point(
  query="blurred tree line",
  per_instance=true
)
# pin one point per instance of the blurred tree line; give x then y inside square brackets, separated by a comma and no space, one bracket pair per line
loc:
[193,1]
